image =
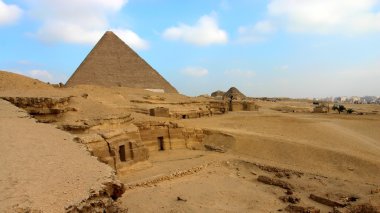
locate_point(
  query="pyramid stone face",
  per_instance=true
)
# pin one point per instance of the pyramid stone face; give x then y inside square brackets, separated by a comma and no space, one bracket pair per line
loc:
[113,63]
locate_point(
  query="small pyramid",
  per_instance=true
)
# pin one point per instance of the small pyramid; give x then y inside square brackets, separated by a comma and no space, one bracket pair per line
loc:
[217,93]
[113,63]
[233,94]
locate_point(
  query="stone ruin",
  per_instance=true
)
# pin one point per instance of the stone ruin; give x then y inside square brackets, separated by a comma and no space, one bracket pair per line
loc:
[232,100]
[159,112]
[45,109]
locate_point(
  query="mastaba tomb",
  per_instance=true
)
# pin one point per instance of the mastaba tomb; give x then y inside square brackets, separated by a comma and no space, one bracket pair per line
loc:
[113,63]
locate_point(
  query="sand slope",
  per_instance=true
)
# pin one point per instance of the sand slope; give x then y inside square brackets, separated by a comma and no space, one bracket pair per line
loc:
[319,143]
[41,168]
[13,80]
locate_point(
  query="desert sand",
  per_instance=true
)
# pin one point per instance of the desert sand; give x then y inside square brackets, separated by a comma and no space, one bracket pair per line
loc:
[45,167]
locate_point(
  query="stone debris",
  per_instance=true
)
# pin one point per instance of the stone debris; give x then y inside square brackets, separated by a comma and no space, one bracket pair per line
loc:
[363,208]
[290,199]
[279,172]
[326,201]
[99,201]
[289,192]
[351,198]
[177,174]
[275,182]
[181,199]
[283,174]
[84,95]
[301,209]
[214,148]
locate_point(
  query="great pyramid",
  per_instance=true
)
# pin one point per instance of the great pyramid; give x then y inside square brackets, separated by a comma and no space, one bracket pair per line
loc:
[113,63]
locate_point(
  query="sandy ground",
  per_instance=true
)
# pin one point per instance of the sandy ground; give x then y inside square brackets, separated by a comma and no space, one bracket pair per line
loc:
[41,168]
[228,183]
[342,144]
[339,154]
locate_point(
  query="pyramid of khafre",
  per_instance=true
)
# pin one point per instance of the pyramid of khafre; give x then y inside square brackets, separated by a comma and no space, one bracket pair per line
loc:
[113,63]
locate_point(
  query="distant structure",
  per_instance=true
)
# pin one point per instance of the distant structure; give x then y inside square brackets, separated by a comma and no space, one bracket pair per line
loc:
[113,63]
[217,93]
[233,94]
[232,100]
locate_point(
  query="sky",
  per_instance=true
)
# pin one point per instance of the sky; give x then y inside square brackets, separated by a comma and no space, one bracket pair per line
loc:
[265,48]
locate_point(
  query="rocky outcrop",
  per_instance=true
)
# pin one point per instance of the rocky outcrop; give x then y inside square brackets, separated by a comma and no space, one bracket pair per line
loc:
[275,182]
[40,105]
[95,124]
[301,209]
[214,148]
[44,109]
[100,201]
[326,201]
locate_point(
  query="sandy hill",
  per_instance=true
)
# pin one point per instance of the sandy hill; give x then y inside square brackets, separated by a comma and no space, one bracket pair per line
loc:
[10,80]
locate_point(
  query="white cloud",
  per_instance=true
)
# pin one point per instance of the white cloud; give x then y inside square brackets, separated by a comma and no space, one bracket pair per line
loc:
[205,32]
[195,71]
[82,21]
[131,38]
[237,73]
[327,16]
[42,75]
[256,33]
[9,13]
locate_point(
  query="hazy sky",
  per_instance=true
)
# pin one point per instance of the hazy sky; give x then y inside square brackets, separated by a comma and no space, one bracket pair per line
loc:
[294,48]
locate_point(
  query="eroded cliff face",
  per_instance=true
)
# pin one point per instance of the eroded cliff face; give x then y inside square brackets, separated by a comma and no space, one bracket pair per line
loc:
[44,109]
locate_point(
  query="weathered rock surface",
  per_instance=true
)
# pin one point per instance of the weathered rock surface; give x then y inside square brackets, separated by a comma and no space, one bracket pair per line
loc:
[275,182]
[290,199]
[214,148]
[301,209]
[326,201]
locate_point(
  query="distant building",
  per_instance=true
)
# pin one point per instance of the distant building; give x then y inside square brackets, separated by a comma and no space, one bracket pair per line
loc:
[355,100]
